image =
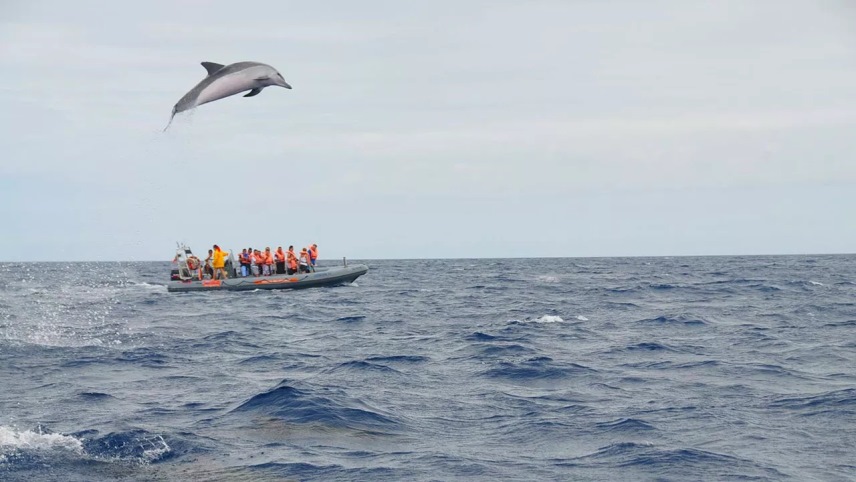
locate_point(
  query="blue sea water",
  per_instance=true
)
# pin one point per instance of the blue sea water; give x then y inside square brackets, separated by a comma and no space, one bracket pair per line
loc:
[685,368]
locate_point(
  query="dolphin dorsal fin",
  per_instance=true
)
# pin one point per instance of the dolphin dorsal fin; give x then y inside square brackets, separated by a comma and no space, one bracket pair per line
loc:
[212,67]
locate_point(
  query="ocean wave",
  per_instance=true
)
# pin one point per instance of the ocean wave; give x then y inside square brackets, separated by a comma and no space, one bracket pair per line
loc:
[351,319]
[650,346]
[836,402]
[287,403]
[362,366]
[536,370]
[398,359]
[625,425]
[681,319]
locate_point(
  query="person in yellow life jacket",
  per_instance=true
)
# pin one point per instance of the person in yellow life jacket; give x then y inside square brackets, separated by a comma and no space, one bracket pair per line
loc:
[219,262]
[280,260]
[291,260]
[313,255]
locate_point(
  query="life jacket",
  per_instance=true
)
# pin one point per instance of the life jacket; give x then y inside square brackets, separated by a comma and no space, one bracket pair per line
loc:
[313,253]
[304,257]
[292,260]
[245,258]
[280,256]
[268,258]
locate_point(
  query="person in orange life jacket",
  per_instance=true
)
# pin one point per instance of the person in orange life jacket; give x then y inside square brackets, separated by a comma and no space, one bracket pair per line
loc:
[256,261]
[280,260]
[245,263]
[268,261]
[313,255]
[304,261]
[291,260]
[219,263]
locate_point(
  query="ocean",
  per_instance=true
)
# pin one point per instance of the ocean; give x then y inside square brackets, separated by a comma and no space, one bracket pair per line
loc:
[681,368]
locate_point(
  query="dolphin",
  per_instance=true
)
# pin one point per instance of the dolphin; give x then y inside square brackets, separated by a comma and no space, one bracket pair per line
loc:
[225,80]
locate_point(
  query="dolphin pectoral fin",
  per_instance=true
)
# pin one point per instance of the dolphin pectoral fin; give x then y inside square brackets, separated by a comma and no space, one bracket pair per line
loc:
[171,117]
[253,92]
[212,67]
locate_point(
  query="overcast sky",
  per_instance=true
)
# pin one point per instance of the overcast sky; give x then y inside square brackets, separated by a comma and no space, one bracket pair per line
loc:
[430,129]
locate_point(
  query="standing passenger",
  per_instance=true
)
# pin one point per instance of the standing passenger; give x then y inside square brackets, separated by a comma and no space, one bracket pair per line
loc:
[291,259]
[313,255]
[245,263]
[304,261]
[268,262]
[280,261]
[255,261]
[219,263]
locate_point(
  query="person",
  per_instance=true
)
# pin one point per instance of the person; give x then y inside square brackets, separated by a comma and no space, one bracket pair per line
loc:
[208,270]
[245,263]
[280,260]
[291,259]
[255,262]
[304,261]
[313,255]
[194,266]
[219,263]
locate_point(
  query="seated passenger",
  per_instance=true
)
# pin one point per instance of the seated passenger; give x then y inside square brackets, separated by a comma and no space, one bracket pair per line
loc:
[208,270]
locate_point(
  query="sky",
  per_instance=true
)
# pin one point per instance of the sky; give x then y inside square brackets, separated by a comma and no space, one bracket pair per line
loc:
[439,129]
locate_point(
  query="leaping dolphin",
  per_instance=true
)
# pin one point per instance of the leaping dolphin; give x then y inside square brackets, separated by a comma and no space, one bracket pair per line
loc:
[223,81]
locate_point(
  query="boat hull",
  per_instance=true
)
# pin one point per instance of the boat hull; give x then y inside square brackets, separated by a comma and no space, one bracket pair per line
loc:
[322,277]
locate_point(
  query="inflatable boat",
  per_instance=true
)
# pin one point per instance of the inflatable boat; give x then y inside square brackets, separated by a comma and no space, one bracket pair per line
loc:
[184,278]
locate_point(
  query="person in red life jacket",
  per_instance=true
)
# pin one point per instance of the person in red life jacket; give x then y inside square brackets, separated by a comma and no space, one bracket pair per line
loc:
[313,255]
[279,257]
[291,260]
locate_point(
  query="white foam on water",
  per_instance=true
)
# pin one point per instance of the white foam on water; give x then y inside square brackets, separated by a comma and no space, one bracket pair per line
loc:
[158,449]
[816,283]
[582,318]
[12,440]
[546,278]
[549,319]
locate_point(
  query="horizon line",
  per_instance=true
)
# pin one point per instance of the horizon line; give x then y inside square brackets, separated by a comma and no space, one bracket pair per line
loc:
[481,258]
